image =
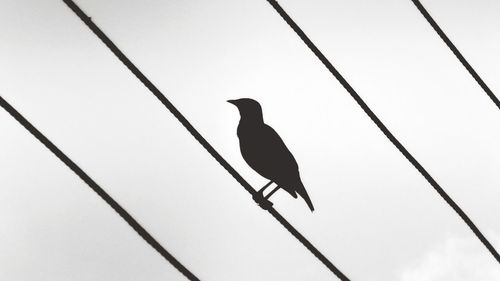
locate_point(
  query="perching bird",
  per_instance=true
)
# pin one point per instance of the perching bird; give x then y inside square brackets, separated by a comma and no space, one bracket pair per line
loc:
[266,153]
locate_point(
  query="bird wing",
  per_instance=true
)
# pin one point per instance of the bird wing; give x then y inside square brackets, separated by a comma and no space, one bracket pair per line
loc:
[279,160]
[285,166]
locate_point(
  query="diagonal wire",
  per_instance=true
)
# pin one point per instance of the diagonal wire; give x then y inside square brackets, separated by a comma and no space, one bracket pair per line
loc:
[178,115]
[457,53]
[383,128]
[97,189]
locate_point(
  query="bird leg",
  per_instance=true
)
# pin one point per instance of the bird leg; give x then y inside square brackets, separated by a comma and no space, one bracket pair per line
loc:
[261,191]
[272,192]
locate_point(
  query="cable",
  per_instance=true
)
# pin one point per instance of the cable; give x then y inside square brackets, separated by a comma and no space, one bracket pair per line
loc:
[457,53]
[178,115]
[383,128]
[97,189]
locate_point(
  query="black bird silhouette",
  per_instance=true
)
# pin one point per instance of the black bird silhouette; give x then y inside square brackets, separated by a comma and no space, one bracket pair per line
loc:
[266,153]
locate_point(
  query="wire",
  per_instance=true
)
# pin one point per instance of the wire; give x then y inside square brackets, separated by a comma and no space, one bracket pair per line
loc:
[457,53]
[97,189]
[383,128]
[178,115]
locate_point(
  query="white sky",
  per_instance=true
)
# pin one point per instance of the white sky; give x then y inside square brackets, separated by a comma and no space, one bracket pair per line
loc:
[376,218]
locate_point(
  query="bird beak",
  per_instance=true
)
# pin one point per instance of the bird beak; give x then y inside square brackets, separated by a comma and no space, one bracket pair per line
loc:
[232,101]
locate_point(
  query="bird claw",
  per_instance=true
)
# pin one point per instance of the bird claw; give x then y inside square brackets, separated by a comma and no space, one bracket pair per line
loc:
[261,201]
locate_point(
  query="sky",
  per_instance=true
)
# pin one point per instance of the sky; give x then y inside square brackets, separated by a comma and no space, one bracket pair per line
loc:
[376,217]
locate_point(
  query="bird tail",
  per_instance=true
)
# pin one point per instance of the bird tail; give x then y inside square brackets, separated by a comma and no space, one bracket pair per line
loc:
[301,190]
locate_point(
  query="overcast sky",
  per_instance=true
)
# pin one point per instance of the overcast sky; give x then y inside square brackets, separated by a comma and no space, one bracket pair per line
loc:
[376,217]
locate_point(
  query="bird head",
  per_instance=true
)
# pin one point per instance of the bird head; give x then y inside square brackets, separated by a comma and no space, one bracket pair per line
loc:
[250,110]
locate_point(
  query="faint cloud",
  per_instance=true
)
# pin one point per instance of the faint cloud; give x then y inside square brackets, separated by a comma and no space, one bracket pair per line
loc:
[457,259]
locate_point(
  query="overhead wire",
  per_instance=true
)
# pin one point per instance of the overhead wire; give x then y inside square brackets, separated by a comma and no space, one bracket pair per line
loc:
[456,52]
[99,191]
[277,7]
[209,148]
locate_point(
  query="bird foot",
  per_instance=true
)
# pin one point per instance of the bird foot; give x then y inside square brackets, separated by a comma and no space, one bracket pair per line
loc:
[265,204]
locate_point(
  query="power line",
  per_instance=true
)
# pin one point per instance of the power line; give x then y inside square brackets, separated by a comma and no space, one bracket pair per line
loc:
[178,115]
[457,53]
[383,128]
[97,189]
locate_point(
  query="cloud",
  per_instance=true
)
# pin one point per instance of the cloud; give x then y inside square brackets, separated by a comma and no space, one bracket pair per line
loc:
[457,259]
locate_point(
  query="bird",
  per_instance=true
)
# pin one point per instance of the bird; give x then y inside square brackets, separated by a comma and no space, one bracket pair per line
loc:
[266,153]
